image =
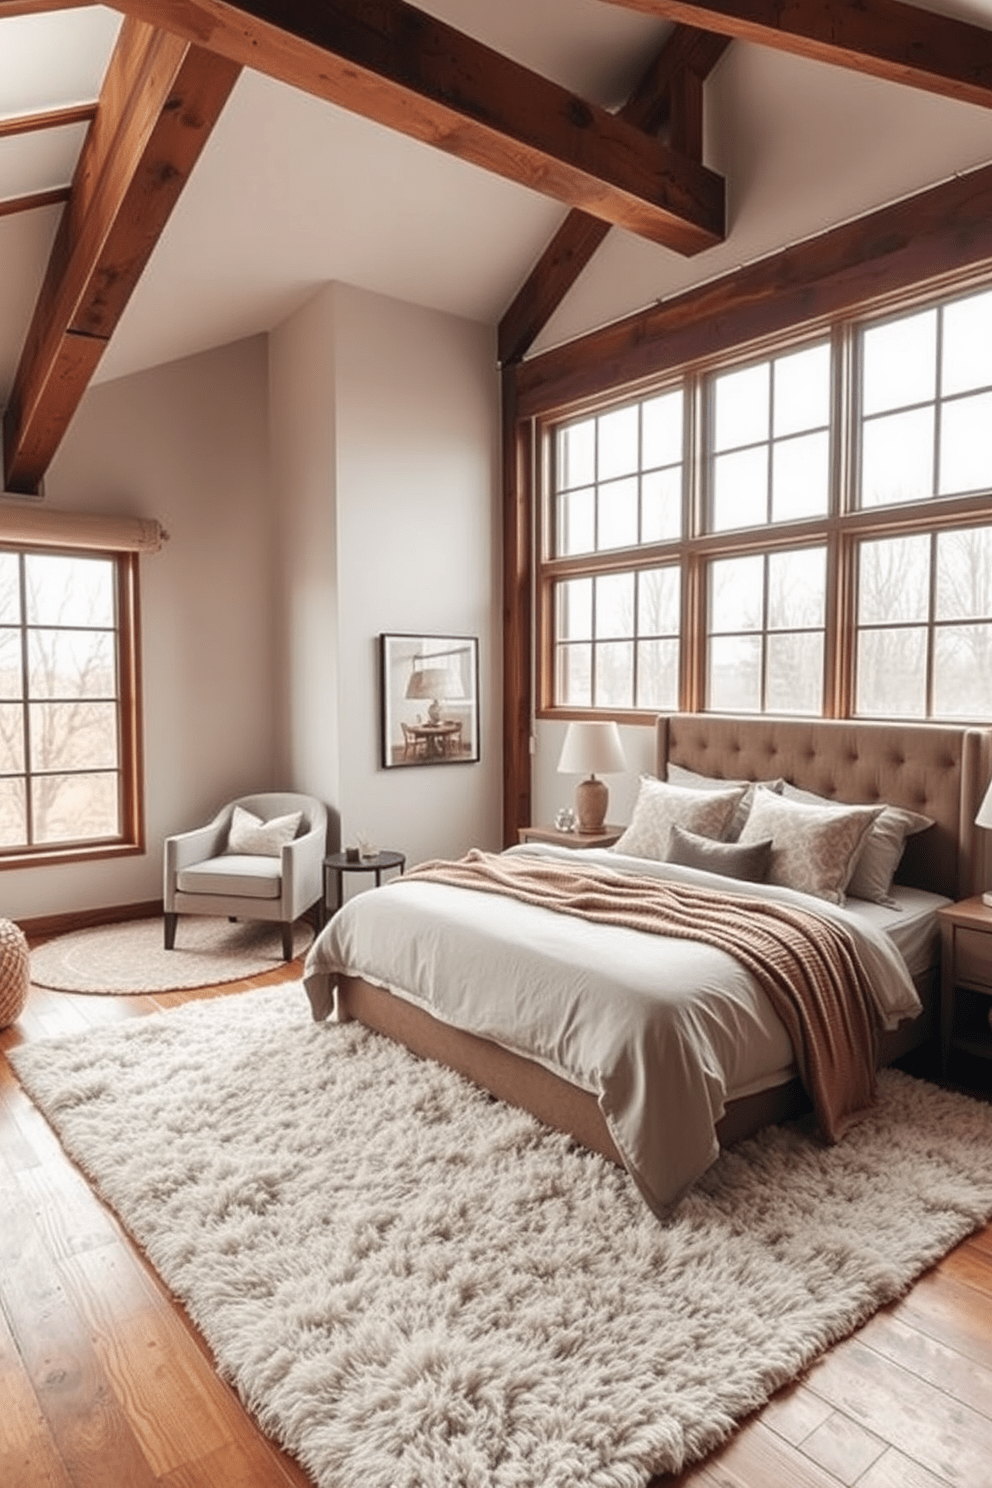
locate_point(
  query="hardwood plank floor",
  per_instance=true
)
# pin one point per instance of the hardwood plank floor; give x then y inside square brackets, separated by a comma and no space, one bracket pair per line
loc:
[104,1380]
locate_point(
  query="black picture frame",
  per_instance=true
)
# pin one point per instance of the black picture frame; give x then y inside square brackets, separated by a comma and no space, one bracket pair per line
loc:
[429,700]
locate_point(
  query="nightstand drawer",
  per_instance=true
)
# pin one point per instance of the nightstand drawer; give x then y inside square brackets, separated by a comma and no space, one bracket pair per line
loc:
[973,956]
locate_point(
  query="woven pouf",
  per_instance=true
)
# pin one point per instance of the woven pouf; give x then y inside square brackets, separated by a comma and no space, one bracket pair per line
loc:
[15,972]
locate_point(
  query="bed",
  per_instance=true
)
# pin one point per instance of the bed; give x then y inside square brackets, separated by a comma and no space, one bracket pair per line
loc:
[418,992]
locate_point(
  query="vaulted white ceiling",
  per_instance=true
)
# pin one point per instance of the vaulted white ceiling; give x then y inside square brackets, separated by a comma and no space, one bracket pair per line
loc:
[291,193]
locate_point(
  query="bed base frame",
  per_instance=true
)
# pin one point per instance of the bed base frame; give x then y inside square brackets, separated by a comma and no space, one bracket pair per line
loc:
[941,771]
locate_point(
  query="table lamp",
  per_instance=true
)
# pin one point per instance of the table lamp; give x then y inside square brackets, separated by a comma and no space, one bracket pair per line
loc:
[984,819]
[439,684]
[591,749]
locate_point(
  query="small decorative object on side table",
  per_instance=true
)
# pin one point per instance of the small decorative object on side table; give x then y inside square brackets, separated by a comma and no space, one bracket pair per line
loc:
[604,838]
[966,980]
[336,865]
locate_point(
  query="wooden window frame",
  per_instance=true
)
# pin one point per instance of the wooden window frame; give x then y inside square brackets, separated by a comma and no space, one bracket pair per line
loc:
[131,839]
[839,529]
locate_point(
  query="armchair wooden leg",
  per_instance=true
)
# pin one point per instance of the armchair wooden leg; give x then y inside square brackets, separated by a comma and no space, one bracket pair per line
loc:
[170,930]
[287,940]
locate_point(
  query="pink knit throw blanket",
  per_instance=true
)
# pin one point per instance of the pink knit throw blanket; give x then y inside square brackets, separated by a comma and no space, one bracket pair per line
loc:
[806,964]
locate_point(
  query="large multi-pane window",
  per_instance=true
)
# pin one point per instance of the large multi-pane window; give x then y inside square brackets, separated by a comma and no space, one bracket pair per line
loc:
[66,691]
[799,532]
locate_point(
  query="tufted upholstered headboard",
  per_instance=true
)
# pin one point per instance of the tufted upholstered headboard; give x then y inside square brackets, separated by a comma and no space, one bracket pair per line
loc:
[940,770]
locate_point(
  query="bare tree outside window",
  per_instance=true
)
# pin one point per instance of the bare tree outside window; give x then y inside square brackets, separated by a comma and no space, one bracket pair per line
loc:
[765,639]
[924,646]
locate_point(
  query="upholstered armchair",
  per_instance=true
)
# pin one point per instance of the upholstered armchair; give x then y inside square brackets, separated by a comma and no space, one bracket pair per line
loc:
[209,871]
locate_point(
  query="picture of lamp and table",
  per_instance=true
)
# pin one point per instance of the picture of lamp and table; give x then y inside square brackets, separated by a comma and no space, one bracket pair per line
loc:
[441,672]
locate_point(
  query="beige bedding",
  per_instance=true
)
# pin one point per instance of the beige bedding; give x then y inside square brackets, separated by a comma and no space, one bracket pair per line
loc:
[663,1031]
[807,966]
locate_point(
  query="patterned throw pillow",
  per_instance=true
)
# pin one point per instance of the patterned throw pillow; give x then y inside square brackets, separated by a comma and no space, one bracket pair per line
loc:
[660,806]
[814,848]
[251,836]
[679,775]
[876,867]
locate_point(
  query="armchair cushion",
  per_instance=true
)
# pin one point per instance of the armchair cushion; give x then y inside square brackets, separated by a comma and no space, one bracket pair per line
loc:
[234,877]
[250,834]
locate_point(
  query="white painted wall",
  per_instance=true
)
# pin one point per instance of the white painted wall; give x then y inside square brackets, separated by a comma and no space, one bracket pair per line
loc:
[302,421]
[185,443]
[395,505]
[802,146]
[334,480]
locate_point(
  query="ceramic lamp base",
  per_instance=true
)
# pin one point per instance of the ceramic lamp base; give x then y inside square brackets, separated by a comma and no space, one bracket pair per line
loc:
[987,899]
[591,800]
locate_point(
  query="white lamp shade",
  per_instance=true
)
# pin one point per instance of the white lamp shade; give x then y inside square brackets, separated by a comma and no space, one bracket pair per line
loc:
[434,682]
[984,817]
[592,749]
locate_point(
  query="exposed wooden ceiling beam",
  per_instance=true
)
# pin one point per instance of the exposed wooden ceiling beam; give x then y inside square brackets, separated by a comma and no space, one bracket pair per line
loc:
[665,89]
[884,38]
[75,113]
[160,99]
[50,198]
[391,63]
[936,234]
[37,7]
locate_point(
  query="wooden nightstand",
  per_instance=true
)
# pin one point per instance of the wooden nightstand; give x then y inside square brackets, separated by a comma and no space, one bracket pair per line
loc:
[557,838]
[966,980]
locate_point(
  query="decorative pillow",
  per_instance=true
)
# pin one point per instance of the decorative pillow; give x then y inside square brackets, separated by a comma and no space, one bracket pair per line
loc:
[678,775]
[876,867]
[249,834]
[814,848]
[732,859]
[661,806]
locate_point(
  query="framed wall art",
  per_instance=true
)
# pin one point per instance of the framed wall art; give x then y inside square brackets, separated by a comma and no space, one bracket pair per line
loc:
[429,687]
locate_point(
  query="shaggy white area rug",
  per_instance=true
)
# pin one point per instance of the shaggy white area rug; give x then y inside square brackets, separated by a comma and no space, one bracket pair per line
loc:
[414,1286]
[131,956]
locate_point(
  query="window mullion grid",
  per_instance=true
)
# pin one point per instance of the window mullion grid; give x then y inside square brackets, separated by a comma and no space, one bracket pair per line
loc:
[594,638]
[840,639]
[635,636]
[931,626]
[595,485]
[938,408]
[640,475]
[769,441]
[118,701]
[697,395]
[25,701]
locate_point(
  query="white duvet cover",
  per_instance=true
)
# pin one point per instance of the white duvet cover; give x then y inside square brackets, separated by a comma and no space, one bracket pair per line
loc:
[662,1031]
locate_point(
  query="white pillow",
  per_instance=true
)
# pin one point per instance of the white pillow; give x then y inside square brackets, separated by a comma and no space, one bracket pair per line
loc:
[678,775]
[249,834]
[814,848]
[661,806]
[876,867]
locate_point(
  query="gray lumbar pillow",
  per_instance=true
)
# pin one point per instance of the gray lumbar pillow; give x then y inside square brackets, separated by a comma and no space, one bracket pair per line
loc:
[733,860]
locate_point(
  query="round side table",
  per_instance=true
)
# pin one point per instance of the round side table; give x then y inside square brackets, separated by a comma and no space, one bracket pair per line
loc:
[336,865]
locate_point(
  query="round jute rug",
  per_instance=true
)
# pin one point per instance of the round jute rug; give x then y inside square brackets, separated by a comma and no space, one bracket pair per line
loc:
[131,957]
